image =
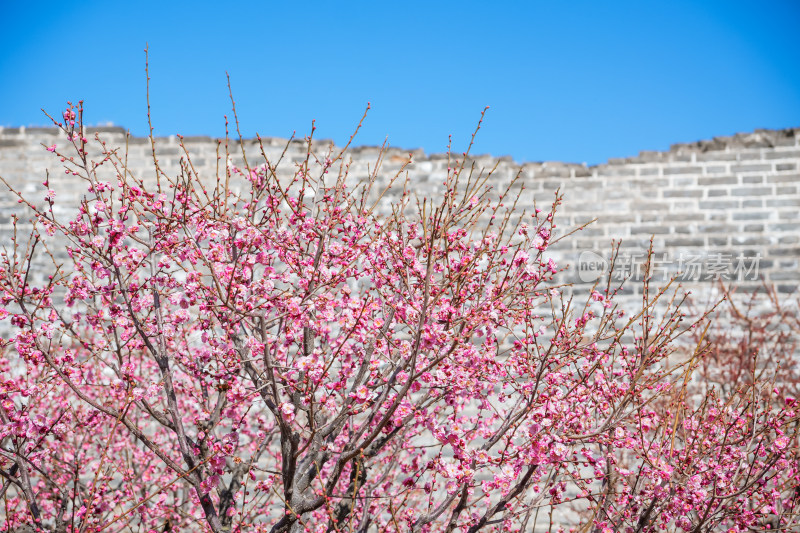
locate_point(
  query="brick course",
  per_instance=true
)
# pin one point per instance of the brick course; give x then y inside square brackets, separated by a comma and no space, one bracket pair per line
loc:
[733,197]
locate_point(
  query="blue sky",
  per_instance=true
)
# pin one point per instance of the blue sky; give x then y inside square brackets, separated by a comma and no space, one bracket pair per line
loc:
[577,81]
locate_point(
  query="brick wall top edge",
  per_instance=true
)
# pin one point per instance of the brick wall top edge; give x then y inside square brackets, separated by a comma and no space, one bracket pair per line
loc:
[758,139]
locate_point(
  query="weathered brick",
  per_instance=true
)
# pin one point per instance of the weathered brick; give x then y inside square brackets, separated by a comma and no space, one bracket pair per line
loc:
[783,154]
[194,139]
[616,194]
[37,130]
[685,241]
[785,275]
[718,180]
[782,167]
[684,182]
[649,183]
[105,129]
[584,243]
[784,202]
[749,156]
[761,167]
[650,230]
[754,228]
[581,172]
[647,156]
[593,231]
[687,206]
[748,240]
[751,191]
[650,171]
[716,169]
[782,252]
[715,228]
[791,178]
[752,287]
[751,216]
[719,204]
[685,193]
[579,220]
[616,171]
[682,170]
[782,227]
[624,218]
[551,185]
[645,207]
[717,156]
[690,217]
[173,150]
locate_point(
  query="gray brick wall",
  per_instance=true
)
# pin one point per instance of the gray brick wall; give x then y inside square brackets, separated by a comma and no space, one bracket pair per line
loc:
[723,209]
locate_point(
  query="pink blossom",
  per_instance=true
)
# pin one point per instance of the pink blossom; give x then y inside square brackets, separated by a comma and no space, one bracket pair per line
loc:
[288,411]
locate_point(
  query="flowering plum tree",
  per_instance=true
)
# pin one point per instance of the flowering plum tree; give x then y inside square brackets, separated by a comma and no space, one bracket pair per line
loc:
[260,352]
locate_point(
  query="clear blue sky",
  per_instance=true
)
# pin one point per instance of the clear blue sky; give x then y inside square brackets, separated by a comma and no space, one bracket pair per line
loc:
[572,81]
